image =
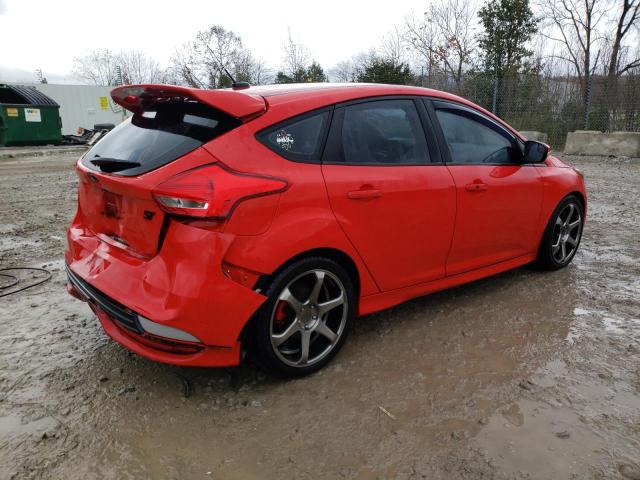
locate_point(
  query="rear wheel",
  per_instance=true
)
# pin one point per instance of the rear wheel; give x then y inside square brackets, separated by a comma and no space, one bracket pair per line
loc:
[562,235]
[306,318]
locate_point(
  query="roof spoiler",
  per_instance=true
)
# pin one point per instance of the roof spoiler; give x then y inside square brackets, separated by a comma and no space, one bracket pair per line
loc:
[138,98]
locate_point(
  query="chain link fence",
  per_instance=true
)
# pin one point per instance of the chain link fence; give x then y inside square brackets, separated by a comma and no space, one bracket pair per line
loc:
[554,105]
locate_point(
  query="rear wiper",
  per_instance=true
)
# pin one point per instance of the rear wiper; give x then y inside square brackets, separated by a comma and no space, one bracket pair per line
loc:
[111,165]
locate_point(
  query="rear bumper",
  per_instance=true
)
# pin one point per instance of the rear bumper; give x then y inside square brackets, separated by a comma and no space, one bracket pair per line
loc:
[206,357]
[182,287]
[85,292]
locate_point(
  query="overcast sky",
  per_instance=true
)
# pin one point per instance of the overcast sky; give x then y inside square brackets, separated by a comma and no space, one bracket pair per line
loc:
[47,34]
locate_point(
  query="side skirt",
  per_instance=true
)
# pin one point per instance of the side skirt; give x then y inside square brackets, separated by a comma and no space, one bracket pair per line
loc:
[380,301]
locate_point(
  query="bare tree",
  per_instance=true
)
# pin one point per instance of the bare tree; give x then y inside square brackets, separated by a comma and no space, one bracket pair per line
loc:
[422,37]
[186,69]
[204,62]
[249,69]
[455,21]
[97,67]
[218,50]
[297,64]
[444,37]
[353,68]
[393,47]
[343,72]
[576,29]
[628,19]
[139,68]
[296,57]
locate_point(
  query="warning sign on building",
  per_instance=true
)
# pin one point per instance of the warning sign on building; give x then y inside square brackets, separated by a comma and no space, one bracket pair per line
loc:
[104,103]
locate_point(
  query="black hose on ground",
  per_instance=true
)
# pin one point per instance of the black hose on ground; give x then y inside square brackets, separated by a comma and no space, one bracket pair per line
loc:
[16,281]
[12,278]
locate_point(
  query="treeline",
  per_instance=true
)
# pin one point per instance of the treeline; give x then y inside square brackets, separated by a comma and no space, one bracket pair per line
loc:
[449,39]
[491,54]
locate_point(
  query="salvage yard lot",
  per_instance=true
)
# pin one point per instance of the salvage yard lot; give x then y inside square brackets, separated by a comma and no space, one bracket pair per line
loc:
[523,375]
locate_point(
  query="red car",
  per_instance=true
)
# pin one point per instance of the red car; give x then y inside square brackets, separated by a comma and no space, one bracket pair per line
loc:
[272,216]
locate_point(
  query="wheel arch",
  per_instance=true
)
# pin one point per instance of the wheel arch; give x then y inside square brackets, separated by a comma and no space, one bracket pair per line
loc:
[551,206]
[541,262]
[580,196]
[335,254]
[338,256]
[575,193]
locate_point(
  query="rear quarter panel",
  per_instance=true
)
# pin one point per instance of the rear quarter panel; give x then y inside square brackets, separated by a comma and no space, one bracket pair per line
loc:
[303,219]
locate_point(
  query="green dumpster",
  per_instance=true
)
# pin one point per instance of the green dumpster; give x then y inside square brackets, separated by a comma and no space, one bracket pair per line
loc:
[28,117]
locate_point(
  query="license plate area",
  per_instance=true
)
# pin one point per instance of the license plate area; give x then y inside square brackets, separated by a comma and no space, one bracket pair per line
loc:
[133,221]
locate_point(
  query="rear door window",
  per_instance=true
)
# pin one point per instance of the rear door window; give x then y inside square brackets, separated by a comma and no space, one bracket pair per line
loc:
[386,132]
[300,138]
[159,136]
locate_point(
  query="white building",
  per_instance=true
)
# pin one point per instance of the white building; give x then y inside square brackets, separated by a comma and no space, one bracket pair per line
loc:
[83,105]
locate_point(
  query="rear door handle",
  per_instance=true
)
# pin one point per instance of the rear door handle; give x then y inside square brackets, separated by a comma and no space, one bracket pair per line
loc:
[362,194]
[476,187]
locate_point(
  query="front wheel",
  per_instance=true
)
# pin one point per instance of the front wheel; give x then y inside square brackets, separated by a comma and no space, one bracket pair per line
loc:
[562,235]
[306,318]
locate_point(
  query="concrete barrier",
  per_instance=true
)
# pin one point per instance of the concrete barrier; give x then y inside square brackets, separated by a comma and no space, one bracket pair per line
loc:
[591,142]
[533,135]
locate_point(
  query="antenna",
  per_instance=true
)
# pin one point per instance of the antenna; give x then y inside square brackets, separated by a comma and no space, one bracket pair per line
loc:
[235,85]
[233,80]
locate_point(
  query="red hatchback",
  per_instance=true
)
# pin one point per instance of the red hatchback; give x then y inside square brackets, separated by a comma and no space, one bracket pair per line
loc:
[273,216]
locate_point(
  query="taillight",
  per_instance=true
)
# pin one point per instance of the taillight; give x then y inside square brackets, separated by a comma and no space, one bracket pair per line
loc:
[212,191]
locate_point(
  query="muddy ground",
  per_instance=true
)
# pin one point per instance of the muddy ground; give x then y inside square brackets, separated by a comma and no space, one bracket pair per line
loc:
[526,375]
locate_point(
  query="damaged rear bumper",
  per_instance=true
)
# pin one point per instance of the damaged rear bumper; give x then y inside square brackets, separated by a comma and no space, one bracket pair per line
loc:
[177,307]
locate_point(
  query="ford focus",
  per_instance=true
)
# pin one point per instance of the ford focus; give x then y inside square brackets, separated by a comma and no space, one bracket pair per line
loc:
[268,218]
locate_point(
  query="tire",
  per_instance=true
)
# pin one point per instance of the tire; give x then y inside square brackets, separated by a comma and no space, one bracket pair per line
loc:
[309,303]
[562,235]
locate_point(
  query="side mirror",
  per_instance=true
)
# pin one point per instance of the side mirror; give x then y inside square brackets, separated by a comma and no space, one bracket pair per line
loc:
[535,152]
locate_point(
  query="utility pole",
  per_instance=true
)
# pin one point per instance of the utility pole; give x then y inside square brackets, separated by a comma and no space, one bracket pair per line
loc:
[40,76]
[587,106]
[494,108]
[119,82]
[119,75]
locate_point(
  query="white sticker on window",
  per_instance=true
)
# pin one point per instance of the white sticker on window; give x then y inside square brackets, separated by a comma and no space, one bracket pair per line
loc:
[284,140]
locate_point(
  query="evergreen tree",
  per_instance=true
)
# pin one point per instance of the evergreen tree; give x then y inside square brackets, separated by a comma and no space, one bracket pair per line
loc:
[508,27]
[312,73]
[315,73]
[385,71]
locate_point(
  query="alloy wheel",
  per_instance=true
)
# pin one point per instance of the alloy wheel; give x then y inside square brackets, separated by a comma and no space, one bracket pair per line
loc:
[309,318]
[566,233]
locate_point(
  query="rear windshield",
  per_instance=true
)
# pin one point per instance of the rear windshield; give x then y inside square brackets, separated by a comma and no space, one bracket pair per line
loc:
[158,136]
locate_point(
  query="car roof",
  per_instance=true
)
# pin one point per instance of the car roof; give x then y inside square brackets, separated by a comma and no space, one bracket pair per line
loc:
[305,96]
[293,88]
[289,99]
[338,91]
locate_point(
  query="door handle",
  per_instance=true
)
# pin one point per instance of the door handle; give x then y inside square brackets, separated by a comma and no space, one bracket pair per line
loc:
[363,194]
[476,187]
